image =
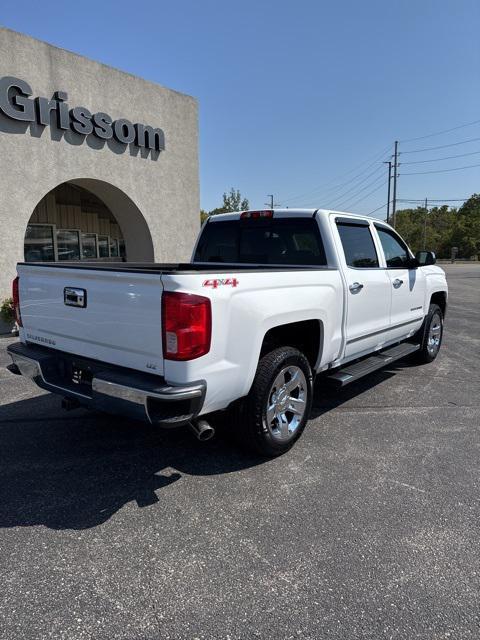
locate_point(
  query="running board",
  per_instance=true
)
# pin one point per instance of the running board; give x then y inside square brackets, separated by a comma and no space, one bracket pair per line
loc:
[351,372]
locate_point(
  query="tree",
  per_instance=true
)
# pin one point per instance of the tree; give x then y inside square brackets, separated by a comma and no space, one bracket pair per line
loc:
[232,201]
[469,221]
[443,228]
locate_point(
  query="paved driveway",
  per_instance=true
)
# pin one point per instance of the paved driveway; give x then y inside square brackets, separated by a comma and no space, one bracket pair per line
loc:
[369,528]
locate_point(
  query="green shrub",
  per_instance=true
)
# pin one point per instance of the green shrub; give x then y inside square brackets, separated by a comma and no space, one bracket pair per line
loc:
[7,312]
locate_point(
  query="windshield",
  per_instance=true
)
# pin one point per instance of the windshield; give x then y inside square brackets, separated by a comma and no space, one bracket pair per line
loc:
[294,241]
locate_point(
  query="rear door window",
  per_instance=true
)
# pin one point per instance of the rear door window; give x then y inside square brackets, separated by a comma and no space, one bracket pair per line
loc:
[358,245]
[289,241]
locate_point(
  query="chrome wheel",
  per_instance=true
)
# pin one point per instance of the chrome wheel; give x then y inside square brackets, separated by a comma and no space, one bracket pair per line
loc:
[286,403]
[434,334]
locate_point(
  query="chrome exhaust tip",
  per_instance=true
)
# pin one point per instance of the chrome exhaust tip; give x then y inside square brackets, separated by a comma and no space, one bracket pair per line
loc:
[202,429]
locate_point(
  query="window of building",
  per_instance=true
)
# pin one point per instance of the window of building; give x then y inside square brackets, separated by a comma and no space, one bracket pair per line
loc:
[114,248]
[358,245]
[68,244]
[395,250]
[39,243]
[89,246]
[76,217]
[103,246]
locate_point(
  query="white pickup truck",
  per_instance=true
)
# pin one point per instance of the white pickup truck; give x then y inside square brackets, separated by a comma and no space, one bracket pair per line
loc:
[270,300]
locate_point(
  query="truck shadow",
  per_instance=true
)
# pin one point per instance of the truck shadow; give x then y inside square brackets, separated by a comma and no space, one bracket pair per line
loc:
[75,470]
[326,399]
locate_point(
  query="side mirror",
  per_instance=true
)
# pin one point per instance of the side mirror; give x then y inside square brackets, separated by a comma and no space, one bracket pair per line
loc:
[424,258]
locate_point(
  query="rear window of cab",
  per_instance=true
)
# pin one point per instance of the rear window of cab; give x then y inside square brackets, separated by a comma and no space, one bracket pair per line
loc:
[289,241]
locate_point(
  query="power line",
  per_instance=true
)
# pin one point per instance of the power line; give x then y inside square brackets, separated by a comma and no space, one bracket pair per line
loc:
[439,133]
[368,194]
[460,155]
[326,186]
[442,146]
[332,189]
[433,199]
[342,201]
[355,182]
[421,173]
[378,208]
[272,202]
[341,197]
[420,204]
[333,198]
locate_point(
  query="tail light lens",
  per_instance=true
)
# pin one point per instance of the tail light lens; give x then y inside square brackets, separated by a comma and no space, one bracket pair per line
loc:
[186,325]
[16,301]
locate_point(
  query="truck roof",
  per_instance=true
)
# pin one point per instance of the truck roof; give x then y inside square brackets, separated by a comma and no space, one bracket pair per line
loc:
[291,213]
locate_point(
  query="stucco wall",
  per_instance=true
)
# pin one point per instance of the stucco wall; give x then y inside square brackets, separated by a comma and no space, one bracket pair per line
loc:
[35,159]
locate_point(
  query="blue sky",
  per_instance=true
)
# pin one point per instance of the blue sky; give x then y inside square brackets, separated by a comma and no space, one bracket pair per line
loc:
[300,99]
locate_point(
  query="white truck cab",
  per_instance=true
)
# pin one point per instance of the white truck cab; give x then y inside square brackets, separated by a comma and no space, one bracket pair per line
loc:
[270,300]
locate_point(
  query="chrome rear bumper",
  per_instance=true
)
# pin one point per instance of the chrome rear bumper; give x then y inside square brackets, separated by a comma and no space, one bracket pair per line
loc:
[108,388]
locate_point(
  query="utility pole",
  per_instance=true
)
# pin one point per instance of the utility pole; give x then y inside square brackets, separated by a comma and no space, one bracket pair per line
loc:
[271,203]
[389,162]
[395,176]
[425,225]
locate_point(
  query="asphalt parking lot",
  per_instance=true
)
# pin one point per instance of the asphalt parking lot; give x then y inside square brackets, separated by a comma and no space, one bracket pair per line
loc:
[368,528]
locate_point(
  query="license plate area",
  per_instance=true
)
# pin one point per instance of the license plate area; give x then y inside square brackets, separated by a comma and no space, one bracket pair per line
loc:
[69,374]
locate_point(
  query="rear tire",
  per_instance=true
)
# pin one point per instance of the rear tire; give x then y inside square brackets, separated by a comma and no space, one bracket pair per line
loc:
[274,414]
[430,335]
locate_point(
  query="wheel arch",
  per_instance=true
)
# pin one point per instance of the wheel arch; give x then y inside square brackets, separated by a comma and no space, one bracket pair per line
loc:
[440,298]
[305,335]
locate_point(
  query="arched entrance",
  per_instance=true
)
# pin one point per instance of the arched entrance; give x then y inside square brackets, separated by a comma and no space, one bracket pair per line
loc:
[87,219]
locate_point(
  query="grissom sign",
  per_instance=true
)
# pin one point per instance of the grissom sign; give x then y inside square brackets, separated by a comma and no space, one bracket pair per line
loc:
[16,103]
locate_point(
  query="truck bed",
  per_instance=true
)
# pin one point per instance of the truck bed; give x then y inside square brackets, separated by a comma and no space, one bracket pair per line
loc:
[169,268]
[118,319]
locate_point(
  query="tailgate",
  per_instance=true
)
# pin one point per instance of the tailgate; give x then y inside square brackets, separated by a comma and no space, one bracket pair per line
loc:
[118,321]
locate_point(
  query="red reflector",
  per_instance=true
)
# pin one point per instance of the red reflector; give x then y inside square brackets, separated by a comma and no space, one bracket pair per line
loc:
[254,215]
[16,302]
[186,325]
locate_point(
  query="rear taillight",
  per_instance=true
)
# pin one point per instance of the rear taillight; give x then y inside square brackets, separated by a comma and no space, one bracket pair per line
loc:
[16,301]
[186,325]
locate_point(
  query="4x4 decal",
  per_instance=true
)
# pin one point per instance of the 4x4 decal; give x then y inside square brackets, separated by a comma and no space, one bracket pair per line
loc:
[220,282]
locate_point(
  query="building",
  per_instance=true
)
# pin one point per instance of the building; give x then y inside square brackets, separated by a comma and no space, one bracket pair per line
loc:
[94,163]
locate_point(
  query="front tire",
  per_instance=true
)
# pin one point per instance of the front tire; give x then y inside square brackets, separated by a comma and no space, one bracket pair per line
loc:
[274,414]
[431,335]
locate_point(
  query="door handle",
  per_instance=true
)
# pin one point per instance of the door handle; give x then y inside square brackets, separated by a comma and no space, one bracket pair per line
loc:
[397,283]
[356,287]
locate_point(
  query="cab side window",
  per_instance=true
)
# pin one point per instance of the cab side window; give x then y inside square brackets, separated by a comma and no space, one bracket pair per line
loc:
[395,250]
[358,245]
